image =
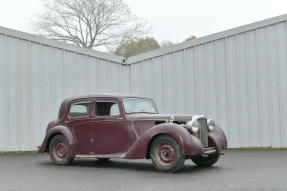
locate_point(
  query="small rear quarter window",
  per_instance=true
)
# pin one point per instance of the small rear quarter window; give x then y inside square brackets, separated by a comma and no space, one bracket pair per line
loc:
[79,109]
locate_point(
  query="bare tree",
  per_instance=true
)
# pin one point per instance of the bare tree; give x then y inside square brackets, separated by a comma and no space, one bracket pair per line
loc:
[90,23]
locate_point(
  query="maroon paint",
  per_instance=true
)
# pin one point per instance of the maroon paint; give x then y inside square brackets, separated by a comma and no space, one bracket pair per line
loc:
[110,135]
[80,127]
[189,144]
[217,139]
[127,135]
[63,131]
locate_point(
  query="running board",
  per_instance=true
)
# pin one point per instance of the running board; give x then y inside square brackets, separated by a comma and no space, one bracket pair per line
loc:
[113,155]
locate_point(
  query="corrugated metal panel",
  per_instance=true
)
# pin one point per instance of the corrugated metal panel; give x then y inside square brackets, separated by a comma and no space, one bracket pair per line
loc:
[238,77]
[36,74]
[3,87]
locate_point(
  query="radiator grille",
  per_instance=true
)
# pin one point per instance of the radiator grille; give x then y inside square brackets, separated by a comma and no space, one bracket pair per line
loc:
[202,134]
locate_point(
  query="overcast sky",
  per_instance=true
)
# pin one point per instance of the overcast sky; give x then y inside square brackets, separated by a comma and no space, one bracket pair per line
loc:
[172,20]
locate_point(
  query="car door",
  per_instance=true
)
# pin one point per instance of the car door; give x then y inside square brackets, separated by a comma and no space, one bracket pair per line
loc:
[111,132]
[79,117]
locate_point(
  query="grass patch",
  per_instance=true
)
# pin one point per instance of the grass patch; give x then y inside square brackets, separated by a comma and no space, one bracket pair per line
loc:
[257,148]
[17,152]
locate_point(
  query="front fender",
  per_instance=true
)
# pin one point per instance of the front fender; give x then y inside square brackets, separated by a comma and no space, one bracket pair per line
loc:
[59,130]
[188,143]
[217,139]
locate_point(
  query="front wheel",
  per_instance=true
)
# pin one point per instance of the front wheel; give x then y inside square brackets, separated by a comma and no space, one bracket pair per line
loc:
[166,154]
[206,161]
[59,151]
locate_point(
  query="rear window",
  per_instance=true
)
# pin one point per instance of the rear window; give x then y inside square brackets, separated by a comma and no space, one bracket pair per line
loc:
[79,109]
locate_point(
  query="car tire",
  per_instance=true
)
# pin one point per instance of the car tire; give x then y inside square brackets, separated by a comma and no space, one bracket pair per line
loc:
[103,159]
[206,161]
[59,151]
[166,154]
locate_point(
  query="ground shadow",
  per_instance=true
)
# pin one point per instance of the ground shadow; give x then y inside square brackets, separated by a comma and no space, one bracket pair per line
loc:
[134,165]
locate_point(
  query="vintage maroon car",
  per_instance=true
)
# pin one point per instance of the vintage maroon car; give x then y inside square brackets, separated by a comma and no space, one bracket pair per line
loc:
[114,126]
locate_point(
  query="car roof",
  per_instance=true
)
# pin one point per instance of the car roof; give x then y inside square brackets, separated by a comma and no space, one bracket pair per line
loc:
[117,96]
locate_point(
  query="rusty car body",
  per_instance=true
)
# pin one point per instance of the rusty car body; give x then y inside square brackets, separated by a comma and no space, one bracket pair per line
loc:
[130,127]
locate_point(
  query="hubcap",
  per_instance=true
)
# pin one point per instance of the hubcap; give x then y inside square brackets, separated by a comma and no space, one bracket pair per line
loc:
[166,154]
[60,151]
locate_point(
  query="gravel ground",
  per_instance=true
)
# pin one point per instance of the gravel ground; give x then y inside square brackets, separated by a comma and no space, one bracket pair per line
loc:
[236,170]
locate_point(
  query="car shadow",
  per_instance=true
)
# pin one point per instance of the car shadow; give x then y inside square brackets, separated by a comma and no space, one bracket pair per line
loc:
[130,165]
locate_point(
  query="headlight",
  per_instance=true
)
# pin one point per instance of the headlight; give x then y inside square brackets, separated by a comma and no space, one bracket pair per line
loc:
[193,126]
[210,128]
[194,129]
[211,124]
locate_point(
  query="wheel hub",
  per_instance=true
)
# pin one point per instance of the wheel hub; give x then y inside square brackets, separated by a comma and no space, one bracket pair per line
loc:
[60,150]
[166,153]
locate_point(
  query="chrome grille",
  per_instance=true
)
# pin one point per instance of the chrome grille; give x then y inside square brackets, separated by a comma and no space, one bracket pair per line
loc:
[202,134]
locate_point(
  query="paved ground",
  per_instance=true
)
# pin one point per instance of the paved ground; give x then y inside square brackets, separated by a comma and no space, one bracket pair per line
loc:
[237,170]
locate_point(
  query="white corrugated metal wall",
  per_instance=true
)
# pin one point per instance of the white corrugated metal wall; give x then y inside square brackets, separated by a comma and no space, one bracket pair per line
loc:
[36,75]
[237,77]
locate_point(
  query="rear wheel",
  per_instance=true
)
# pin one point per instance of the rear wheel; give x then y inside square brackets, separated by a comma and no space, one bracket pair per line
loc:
[166,154]
[59,151]
[206,161]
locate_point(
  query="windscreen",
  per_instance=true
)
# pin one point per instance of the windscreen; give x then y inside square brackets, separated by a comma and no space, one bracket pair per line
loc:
[139,105]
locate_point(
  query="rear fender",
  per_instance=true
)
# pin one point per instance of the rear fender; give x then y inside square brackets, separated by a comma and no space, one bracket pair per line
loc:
[188,143]
[59,130]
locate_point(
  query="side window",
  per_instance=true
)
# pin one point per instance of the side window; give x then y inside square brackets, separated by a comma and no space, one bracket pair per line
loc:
[107,108]
[79,109]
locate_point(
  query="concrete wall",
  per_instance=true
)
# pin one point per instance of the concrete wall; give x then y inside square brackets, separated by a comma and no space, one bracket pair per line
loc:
[238,77]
